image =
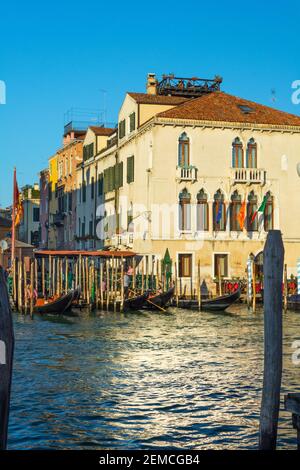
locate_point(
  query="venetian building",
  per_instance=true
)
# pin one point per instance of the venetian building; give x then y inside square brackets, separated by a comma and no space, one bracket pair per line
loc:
[89,192]
[188,160]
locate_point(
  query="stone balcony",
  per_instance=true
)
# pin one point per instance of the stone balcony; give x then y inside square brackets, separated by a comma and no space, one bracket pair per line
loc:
[186,173]
[58,219]
[248,175]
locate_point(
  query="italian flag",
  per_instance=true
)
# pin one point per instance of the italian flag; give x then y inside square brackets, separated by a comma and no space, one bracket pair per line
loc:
[260,209]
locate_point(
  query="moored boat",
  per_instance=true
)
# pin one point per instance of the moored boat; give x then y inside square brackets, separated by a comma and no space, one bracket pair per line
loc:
[293,302]
[216,304]
[159,301]
[136,303]
[55,306]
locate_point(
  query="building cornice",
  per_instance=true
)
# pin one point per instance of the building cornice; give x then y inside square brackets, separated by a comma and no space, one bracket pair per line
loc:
[156,120]
[225,125]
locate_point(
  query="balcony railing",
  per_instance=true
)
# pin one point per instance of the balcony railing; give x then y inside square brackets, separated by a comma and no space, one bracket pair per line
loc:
[248,175]
[186,173]
[58,219]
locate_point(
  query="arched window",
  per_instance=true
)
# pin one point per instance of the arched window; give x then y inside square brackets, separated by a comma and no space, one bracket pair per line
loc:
[219,212]
[202,211]
[252,222]
[183,150]
[235,207]
[184,210]
[251,156]
[237,154]
[268,212]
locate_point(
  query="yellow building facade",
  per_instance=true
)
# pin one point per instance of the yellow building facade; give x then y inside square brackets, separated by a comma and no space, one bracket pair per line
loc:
[52,201]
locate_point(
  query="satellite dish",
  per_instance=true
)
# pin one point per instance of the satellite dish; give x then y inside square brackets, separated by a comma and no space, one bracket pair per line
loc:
[298,168]
[3,245]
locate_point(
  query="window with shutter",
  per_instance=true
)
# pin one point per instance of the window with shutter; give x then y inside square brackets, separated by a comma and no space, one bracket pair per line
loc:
[220,265]
[122,129]
[105,181]
[130,169]
[100,185]
[185,264]
[112,178]
[132,122]
[119,175]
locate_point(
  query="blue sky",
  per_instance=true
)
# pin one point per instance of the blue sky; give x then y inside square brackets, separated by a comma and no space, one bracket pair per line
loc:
[61,54]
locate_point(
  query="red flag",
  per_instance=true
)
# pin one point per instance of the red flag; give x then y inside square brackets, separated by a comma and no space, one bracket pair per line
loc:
[18,206]
[241,215]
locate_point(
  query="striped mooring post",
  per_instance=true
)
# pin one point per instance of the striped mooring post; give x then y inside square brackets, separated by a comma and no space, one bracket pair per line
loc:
[249,281]
[298,276]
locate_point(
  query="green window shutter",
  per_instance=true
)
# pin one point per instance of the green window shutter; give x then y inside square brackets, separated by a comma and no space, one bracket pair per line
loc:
[105,181]
[108,179]
[130,169]
[112,178]
[122,129]
[132,122]
[119,175]
[100,184]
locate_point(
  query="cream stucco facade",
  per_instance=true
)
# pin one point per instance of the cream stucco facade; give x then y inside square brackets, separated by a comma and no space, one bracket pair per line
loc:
[152,197]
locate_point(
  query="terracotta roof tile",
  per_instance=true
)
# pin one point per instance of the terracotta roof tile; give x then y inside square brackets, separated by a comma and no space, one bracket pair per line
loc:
[145,98]
[105,131]
[220,106]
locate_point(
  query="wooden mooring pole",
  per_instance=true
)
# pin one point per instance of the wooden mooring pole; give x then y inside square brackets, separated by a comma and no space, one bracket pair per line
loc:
[273,272]
[6,359]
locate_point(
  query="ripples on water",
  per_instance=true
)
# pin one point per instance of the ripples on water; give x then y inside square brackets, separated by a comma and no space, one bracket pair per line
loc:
[184,380]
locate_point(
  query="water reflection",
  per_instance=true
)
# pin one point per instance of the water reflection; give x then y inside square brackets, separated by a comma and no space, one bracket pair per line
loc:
[144,380]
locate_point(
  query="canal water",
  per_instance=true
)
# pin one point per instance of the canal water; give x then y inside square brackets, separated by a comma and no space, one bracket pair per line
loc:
[184,380]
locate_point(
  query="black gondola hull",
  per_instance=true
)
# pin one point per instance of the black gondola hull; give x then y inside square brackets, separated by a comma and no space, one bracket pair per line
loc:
[218,304]
[136,303]
[293,302]
[160,300]
[57,307]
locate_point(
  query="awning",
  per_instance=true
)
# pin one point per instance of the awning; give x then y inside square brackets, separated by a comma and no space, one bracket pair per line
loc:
[77,253]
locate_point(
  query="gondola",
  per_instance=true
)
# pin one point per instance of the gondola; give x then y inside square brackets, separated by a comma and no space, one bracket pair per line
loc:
[217,304]
[159,301]
[135,303]
[77,293]
[57,306]
[293,302]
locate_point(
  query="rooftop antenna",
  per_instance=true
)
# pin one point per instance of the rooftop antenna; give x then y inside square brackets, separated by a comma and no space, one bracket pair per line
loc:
[273,95]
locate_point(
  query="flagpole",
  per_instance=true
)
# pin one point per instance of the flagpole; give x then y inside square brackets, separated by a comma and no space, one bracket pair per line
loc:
[13,231]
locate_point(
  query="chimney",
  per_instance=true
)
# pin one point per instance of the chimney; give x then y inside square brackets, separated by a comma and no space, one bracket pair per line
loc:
[151,84]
